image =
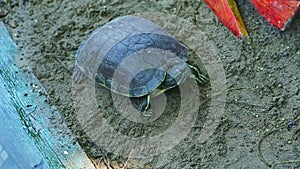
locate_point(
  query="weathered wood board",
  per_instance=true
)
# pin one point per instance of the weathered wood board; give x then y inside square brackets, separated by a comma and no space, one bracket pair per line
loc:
[32,133]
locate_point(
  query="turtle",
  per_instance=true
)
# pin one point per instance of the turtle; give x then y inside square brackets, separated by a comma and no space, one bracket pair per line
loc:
[134,57]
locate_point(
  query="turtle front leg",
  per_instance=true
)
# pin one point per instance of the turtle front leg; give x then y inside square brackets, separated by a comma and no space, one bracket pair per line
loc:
[145,104]
[197,75]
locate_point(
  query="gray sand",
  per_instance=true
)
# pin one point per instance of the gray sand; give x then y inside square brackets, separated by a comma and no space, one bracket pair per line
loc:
[262,81]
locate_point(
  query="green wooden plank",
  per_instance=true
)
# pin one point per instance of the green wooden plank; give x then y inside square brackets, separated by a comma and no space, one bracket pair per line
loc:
[36,123]
[16,149]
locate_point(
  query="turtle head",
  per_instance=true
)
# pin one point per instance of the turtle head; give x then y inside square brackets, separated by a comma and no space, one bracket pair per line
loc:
[178,71]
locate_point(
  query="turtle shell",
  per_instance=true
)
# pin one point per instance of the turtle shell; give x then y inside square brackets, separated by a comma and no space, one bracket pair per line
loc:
[129,55]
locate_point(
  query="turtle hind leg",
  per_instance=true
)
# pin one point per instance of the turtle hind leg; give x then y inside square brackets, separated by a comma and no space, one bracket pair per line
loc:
[197,75]
[78,75]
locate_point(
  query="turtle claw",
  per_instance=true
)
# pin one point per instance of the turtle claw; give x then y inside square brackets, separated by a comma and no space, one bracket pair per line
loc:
[147,113]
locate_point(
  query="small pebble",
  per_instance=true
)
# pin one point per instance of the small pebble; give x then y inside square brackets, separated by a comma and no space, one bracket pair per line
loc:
[3,12]
[281,100]
[41,92]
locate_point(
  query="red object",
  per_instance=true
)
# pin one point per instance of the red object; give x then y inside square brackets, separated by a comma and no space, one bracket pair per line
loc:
[228,14]
[277,12]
